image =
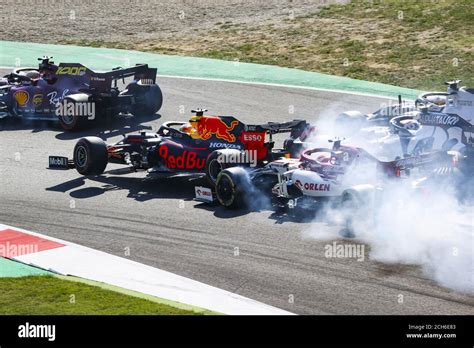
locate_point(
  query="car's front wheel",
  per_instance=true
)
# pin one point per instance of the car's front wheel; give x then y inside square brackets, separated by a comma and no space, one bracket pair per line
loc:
[232,186]
[90,156]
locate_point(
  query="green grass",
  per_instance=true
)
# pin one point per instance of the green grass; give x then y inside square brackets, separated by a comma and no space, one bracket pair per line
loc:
[48,295]
[411,43]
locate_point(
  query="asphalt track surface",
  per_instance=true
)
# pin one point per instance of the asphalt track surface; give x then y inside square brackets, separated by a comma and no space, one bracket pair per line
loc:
[163,227]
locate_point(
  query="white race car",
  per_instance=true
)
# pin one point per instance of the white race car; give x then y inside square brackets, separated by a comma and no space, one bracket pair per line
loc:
[343,175]
[436,121]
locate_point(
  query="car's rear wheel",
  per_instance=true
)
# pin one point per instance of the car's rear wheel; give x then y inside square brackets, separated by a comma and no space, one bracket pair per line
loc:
[90,156]
[213,167]
[232,186]
[149,100]
[71,122]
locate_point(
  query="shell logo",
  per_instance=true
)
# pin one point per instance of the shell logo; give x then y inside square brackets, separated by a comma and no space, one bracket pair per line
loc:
[21,97]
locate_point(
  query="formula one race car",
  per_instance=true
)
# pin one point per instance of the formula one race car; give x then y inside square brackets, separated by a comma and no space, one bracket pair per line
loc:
[456,101]
[204,146]
[430,126]
[352,120]
[74,94]
[342,175]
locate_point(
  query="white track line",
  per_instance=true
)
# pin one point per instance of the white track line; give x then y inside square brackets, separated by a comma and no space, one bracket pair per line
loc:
[278,85]
[266,84]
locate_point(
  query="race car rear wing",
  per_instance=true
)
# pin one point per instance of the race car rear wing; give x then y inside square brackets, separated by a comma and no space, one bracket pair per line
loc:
[140,72]
[295,127]
[404,165]
[102,82]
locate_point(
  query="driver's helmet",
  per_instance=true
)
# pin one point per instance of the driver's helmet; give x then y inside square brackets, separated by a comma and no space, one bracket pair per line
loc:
[338,158]
[194,120]
[410,125]
[437,99]
[50,76]
[48,70]
[32,74]
[48,67]
[192,127]
[186,128]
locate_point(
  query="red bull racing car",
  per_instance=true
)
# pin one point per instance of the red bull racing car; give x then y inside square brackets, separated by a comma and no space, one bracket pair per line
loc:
[203,146]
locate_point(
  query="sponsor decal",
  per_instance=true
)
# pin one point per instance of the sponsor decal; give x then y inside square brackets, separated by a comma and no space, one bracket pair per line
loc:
[412,161]
[71,70]
[439,119]
[252,137]
[95,78]
[146,81]
[209,126]
[224,146]
[203,194]
[464,102]
[21,97]
[37,99]
[58,162]
[53,96]
[312,186]
[187,160]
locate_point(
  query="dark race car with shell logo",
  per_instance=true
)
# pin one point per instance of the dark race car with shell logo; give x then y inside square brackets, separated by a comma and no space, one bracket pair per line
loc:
[75,95]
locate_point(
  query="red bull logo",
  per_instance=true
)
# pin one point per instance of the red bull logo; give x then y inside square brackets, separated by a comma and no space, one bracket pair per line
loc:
[187,160]
[208,126]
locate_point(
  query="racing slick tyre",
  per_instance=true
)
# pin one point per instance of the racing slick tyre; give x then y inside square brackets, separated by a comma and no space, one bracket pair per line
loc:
[213,167]
[90,156]
[149,100]
[231,187]
[72,122]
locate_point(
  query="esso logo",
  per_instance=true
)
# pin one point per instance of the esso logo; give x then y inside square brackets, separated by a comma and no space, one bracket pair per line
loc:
[253,137]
